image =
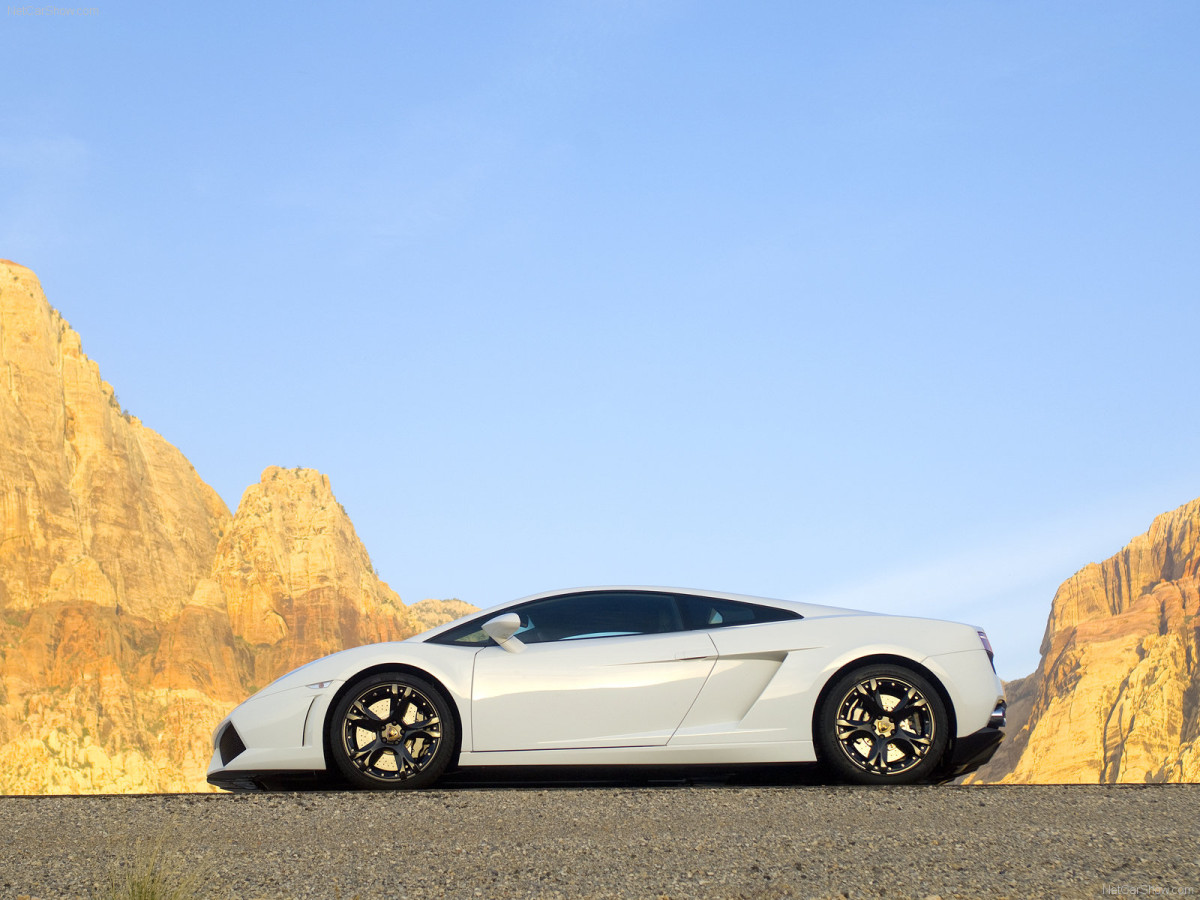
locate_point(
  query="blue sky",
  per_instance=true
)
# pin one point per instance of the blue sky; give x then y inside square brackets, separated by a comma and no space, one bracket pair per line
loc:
[887,305]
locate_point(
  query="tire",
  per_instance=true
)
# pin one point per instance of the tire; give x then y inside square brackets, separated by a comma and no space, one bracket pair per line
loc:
[882,724]
[392,730]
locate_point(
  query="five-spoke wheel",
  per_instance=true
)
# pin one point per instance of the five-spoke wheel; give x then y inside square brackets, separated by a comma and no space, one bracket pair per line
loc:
[392,730]
[882,724]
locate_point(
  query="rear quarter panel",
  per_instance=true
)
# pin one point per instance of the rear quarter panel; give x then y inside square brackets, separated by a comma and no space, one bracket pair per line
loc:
[769,677]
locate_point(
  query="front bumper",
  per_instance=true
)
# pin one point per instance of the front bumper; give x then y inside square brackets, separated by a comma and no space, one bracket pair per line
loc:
[272,737]
[291,780]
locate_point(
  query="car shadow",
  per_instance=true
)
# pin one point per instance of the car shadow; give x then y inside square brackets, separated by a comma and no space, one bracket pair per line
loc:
[576,778]
[551,777]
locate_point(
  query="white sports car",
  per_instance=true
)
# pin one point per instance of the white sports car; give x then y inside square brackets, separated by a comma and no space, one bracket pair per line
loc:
[630,676]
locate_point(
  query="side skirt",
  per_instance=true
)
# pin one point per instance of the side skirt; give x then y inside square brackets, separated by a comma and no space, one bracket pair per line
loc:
[691,754]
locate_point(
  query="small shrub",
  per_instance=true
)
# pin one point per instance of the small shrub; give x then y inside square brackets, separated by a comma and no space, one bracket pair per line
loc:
[153,876]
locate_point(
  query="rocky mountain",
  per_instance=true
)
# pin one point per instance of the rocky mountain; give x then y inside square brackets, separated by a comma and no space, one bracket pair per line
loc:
[428,614]
[296,580]
[1116,697]
[135,611]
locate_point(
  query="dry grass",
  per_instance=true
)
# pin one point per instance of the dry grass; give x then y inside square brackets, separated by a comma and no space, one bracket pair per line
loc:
[154,874]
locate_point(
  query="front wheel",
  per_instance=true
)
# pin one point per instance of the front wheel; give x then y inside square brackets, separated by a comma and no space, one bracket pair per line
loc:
[392,730]
[882,724]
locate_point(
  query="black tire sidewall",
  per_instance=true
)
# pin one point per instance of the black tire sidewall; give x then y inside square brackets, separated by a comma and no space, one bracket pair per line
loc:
[830,753]
[445,750]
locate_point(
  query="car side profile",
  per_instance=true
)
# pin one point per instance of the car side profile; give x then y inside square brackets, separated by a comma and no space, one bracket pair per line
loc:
[630,676]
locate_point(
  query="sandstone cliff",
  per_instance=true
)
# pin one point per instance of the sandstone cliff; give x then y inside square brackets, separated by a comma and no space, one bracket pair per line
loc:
[1116,697]
[96,508]
[134,610]
[297,581]
[428,614]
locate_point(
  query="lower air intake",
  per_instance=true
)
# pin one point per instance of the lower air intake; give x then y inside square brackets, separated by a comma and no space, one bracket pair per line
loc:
[230,744]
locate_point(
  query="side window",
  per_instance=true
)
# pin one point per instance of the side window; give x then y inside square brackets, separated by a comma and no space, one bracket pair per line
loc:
[701,613]
[602,614]
[469,634]
[577,616]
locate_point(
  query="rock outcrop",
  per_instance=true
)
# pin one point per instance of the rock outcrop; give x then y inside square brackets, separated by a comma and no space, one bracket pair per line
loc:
[1116,697]
[95,507]
[134,610]
[297,582]
[428,614]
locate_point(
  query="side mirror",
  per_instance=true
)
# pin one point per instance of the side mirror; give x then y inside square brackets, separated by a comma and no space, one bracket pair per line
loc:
[501,630]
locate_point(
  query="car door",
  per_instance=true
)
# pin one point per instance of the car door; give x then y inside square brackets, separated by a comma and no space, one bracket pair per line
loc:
[744,700]
[598,669]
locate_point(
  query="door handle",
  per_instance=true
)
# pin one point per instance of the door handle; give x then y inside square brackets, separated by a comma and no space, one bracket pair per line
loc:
[685,652]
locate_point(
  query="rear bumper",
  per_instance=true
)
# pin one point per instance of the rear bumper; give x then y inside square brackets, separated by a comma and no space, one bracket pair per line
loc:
[972,751]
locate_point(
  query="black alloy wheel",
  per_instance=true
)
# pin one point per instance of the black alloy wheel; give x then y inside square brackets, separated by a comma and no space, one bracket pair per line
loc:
[882,724]
[392,730]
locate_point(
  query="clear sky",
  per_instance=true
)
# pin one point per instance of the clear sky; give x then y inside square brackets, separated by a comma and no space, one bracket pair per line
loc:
[891,305]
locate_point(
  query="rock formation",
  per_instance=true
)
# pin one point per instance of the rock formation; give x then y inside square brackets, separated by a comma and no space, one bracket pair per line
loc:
[428,614]
[96,508]
[297,582]
[1116,697]
[134,610]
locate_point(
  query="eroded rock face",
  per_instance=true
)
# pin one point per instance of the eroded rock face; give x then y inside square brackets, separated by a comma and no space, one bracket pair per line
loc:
[135,612]
[1115,698]
[94,506]
[428,614]
[297,581]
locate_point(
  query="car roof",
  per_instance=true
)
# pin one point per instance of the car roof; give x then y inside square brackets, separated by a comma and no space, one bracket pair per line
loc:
[807,610]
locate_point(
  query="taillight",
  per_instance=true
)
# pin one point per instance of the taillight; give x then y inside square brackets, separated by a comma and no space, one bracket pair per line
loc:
[987,645]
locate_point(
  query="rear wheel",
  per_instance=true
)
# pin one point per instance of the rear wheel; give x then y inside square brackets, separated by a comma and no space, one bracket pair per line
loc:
[392,730]
[882,724]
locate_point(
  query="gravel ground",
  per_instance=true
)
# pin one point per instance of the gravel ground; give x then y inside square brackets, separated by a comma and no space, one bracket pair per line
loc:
[644,842]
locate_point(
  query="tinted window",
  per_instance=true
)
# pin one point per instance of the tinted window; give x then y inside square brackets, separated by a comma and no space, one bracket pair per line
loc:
[706,612]
[597,615]
[468,634]
[578,616]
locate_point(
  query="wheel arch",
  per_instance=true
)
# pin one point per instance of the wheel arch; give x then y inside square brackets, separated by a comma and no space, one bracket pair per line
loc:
[376,669]
[894,660]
